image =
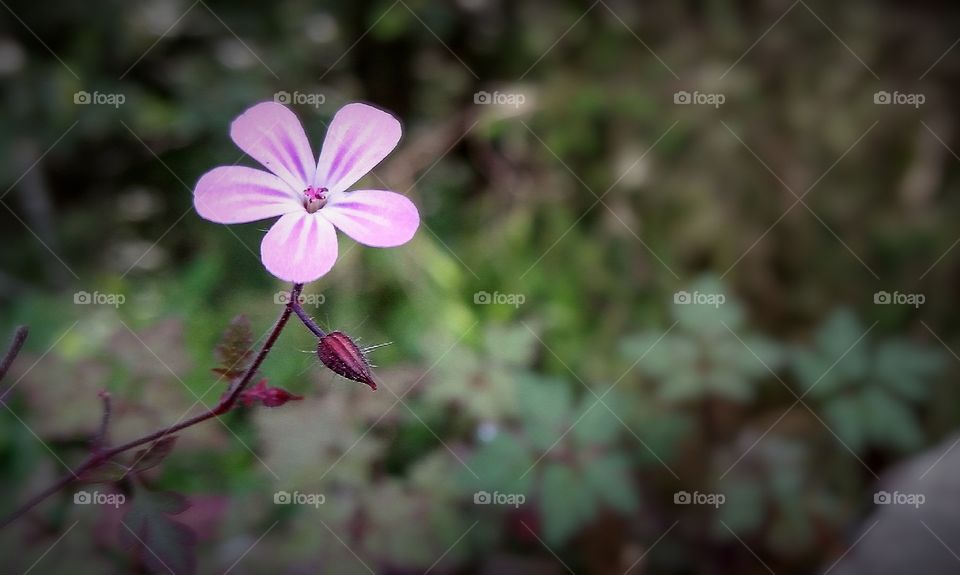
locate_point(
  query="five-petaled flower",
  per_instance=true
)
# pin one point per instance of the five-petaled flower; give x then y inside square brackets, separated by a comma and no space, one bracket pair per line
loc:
[310,198]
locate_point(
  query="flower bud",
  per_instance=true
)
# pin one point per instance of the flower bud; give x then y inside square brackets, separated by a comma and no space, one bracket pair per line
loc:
[268,396]
[339,353]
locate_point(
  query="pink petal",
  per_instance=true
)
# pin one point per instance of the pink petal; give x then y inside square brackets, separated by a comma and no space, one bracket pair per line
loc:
[373,217]
[235,194]
[359,137]
[300,247]
[271,134]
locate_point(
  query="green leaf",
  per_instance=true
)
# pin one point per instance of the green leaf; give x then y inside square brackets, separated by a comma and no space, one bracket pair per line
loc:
[500,465]
[754,355]
[743,510]
[566,504]
[904,368]
[812,373]
[709,319]
[728,384]
[846,418]
[610,479]
[684,385]
[595,424]
[511,345]
[890,421]
[842,345]
[546,404]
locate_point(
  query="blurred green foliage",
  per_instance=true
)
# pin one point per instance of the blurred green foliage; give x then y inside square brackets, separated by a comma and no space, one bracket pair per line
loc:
[600,397]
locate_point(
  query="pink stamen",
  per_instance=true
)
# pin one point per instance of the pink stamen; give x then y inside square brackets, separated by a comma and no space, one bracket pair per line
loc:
[314,199]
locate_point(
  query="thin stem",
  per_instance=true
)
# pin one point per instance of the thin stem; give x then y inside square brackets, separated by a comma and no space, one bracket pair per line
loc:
[16,344]
[38,498]
[231,397]
[307,320]
[223,406]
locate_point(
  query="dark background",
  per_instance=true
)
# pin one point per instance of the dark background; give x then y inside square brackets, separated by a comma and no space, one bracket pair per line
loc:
[597,202]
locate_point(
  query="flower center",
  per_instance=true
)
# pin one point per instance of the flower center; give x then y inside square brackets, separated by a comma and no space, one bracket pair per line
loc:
[314,199]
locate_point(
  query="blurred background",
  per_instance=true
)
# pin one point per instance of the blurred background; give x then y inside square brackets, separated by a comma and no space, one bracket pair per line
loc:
[683,299]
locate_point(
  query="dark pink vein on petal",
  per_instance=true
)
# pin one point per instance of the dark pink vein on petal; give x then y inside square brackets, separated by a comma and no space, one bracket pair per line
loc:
[343,147]
[291,153]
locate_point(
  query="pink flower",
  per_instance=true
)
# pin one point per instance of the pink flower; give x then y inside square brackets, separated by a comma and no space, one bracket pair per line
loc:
[311,199]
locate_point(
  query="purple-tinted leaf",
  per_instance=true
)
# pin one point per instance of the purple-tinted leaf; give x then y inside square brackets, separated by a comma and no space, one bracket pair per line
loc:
[153,455]
[106,472]
[157,541]
[235,350]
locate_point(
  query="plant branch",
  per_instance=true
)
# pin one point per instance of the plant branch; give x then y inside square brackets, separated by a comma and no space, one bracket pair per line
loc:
[16,344]
[99,457]
[306,319]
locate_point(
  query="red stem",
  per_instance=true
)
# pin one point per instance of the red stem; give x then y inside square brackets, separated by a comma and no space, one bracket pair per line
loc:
[19,337]
[227,402]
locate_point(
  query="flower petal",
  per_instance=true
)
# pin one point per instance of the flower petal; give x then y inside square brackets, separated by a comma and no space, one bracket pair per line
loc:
[271,134]
[376,218]
[300,247]
[359,137]
[235,195]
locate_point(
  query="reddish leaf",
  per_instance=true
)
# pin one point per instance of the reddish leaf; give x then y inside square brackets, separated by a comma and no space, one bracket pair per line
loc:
[235,350]
[158,542]
[106,472]
[153,455]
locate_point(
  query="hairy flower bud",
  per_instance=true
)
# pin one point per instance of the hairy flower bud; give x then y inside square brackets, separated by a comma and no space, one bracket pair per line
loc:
[268,396]
[339,353]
